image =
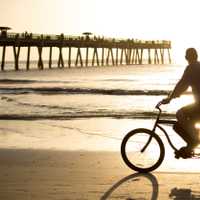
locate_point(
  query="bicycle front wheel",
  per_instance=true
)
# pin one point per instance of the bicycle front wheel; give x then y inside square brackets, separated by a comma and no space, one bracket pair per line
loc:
[142,150]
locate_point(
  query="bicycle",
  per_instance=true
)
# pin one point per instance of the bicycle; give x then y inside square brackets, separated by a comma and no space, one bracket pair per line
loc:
[143,150]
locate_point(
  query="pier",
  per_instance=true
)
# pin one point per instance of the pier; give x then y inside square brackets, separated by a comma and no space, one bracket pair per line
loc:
[83,51]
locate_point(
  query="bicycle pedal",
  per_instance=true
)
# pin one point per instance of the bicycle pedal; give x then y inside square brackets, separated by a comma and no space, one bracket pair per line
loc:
[177,154]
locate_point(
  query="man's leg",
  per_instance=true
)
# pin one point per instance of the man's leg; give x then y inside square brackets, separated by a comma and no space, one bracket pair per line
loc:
[182,132]
[186,117]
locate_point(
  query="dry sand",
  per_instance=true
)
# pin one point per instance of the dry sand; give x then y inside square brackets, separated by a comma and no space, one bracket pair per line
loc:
[63,175]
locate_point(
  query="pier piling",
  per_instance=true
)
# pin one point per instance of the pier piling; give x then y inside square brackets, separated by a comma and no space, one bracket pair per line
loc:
[50,57]
[3,58]
[28,58]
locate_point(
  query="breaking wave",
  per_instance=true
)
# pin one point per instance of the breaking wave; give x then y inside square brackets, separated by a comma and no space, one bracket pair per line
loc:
[60,90]
[86,115]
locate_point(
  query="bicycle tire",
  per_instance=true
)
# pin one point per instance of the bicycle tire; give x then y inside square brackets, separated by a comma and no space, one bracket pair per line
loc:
[157,141]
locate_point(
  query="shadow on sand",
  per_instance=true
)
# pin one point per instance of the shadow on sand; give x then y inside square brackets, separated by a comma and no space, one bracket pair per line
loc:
[152,181]
[184,193]
[145,186]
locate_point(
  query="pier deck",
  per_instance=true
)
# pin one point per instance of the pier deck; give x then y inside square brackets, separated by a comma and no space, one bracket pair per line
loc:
[92,51]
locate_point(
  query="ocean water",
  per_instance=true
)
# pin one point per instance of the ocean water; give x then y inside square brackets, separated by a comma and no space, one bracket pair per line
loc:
[117,92]
[89,109]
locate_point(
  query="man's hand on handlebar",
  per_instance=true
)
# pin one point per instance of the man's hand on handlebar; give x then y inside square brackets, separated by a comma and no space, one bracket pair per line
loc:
[166,100]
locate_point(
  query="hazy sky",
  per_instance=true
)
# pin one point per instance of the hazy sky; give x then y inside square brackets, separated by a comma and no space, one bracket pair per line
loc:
[176,20]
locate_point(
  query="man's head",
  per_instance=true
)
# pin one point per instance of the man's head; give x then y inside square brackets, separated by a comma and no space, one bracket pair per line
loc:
[191,55]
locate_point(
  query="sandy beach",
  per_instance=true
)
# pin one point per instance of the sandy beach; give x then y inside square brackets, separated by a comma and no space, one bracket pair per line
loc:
[46,174]
[62,160]
[66,146]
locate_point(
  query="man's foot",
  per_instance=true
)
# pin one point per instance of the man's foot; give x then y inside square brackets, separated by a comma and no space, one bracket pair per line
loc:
[184,152]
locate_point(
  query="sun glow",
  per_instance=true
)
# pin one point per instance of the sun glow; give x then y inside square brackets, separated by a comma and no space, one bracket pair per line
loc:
[144,19]
[148,20]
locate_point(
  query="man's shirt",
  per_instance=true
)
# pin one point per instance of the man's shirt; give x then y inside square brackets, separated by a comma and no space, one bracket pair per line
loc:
[191,77]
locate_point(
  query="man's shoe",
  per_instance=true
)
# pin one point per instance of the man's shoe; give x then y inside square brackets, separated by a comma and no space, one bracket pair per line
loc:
[184,152]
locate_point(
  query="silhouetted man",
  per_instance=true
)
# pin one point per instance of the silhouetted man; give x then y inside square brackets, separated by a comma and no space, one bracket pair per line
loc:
[188,115]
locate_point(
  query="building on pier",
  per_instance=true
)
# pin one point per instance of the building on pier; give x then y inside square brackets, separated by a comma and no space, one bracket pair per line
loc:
[3,31]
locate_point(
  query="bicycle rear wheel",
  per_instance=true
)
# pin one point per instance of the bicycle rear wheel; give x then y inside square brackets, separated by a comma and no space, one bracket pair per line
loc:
[142,150]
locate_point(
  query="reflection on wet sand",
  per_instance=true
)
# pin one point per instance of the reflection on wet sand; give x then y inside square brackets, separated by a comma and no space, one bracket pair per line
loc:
[135,179]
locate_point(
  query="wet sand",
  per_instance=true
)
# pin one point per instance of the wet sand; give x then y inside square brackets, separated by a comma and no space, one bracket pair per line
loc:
[50,174]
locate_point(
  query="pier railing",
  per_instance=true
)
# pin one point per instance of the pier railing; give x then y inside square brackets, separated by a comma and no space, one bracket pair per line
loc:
[100,50]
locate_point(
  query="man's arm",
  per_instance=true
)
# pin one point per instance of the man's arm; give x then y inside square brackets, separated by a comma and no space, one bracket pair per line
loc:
[180,87]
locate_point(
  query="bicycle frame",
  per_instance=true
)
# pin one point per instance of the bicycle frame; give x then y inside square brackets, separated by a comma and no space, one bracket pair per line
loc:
[157,125]
[159,121]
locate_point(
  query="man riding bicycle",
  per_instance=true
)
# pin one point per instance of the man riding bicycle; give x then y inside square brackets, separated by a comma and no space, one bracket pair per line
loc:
[190,114]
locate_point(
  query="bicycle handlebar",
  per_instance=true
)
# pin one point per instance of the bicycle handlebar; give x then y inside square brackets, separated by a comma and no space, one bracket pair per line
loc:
[158,106]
